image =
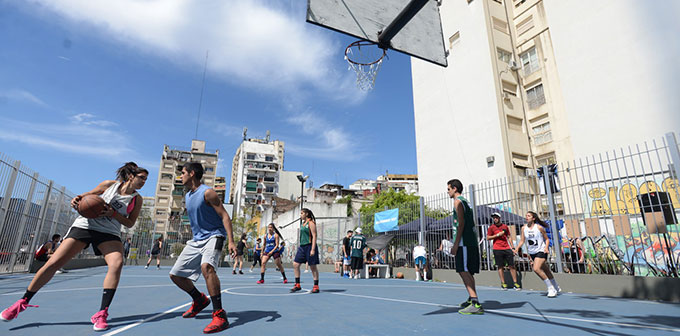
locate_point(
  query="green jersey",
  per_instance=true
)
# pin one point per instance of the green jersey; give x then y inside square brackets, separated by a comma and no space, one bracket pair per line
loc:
[469,238]
[358,243]
[305,234]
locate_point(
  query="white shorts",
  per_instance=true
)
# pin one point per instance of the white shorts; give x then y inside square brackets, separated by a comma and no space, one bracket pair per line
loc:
[197,253]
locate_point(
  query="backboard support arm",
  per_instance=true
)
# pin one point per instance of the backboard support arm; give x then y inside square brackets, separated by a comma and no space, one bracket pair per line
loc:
[411,9]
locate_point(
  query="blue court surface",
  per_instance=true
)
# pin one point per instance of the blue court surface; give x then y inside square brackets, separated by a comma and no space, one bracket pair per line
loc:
[147,303]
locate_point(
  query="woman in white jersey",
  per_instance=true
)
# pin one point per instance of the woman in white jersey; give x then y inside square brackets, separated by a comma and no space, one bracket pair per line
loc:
[103,232]
[533,232]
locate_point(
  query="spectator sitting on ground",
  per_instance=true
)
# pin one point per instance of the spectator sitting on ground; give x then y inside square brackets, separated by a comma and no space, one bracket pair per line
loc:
[370,260]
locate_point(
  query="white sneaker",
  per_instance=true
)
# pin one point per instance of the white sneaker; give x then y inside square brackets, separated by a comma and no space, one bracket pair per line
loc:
[306,271]
[552,292]
[59,271]
[147,266]
[251,271]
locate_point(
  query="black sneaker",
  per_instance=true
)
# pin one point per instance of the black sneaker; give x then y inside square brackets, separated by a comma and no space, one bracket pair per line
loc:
[240,272]
[466,303]
[233,272]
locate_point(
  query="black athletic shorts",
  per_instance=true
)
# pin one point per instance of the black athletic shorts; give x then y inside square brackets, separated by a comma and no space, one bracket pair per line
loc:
[91,237]
[357,263]
[539,255]
[503,258]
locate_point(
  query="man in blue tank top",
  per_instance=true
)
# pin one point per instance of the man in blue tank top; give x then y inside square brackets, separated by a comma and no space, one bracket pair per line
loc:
[210,225]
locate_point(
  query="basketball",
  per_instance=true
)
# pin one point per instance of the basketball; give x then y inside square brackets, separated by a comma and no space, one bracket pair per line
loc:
[90,206]
[400,275]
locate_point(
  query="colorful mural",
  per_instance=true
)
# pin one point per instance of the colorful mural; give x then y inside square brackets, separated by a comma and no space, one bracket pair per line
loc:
[622,200]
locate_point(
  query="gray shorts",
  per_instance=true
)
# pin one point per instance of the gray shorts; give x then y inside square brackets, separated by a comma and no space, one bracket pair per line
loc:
[197,253]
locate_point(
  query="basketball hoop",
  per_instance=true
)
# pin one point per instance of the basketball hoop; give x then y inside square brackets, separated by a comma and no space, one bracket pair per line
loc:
[365,62]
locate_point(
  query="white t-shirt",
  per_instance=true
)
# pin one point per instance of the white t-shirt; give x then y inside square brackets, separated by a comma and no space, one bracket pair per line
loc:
[534,239]
[419,251]
[447,245]
[120,204]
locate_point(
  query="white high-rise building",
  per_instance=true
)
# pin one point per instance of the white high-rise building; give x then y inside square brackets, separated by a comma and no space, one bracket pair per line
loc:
[255,175]
[534,82]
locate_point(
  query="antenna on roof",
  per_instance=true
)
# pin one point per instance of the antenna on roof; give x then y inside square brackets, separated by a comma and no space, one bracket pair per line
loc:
[200,101]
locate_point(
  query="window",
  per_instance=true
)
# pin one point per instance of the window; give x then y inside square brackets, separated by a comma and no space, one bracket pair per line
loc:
[535,97]
[167,165]
[542,133]
[269,158]
[209,169]
[251,178]
[250,156]
[503,55]
[453,40]
[165,176]
[500,25]
[525,25]
[514,123]
[251,186]
[163,188]
[529,61]
[546,159]
[509,88]
[269,189]
[526,201]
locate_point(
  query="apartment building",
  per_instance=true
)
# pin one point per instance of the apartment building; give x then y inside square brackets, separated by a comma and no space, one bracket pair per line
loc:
[169,210]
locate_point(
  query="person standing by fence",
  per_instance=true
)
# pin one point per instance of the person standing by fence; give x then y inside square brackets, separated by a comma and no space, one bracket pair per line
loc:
[103,232]
[156,252]
[537,241]
[358,243]
[238,261]
[503,252]
[346,250]
[465,249]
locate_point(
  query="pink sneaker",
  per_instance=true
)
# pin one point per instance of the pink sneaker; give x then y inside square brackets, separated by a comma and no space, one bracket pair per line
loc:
[99,320]
[14,310]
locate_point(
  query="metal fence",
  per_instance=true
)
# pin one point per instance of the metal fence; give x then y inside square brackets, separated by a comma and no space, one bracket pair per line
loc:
[32,209]
[613,213]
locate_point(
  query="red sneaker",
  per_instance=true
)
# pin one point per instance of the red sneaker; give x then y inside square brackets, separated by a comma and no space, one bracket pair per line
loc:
[285,280]
[219,322]
[296,288]
[315,289]
[196,307]
[259,282]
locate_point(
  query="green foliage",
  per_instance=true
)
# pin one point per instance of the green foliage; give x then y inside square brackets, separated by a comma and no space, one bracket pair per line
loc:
[240,225]
[347,200]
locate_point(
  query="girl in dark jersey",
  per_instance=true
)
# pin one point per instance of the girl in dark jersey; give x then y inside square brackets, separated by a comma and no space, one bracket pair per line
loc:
[238,261]
[103,232]
[257,251]
[272,240]
[308,251]
[156,252]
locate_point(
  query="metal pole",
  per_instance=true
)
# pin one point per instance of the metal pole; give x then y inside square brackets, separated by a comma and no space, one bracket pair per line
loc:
[57,211]
[22,224]
[41,218]
[4,207]
[672,144]
[422,221]
[547,178]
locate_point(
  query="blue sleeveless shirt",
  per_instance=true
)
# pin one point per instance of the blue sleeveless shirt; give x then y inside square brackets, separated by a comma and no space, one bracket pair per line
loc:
[205,222]
[270,242]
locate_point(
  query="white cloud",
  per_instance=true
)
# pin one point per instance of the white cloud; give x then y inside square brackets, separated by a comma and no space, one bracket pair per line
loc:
[263,44]
[323,140]
[89,120]
[22,95]
[77,138]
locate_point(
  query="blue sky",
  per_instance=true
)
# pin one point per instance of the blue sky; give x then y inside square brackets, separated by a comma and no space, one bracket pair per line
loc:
[85,87]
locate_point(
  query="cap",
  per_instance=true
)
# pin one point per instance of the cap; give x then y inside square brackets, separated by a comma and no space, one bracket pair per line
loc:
[496,214]
[358,230]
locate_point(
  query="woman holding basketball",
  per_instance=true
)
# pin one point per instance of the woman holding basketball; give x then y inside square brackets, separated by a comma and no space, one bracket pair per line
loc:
[122,207]
[272,249]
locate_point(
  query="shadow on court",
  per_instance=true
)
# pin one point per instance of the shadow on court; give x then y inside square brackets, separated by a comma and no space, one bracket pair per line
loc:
[243,317]
[333,290]
[664,320]
[553,323]
[113,322]
[486,304]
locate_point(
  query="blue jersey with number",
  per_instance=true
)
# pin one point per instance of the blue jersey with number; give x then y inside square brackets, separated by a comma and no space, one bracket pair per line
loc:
[269,243]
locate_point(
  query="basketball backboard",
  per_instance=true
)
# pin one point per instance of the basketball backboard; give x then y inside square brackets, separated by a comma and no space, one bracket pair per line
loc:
[412,27]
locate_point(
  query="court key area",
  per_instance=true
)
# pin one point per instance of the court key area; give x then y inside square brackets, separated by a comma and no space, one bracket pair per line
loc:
[147,303]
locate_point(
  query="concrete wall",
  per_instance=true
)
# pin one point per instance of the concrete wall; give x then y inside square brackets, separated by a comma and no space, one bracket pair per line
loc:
[618,68]
[289,185]
[455,108]
[72,264]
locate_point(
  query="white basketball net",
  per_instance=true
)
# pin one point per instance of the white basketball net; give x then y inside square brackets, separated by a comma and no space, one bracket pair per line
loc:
[365,62]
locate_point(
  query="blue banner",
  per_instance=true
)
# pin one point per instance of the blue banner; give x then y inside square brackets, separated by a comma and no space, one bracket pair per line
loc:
[387,220]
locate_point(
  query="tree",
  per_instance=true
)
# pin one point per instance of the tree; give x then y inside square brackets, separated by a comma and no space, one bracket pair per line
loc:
[408,208]
[240,225]
[347,200]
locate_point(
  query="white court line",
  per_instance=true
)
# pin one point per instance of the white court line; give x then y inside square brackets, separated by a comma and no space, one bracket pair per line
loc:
[87,288]
[515,313]
[130,326]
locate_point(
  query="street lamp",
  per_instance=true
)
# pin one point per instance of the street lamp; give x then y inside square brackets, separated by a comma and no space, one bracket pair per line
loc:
[302,180]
